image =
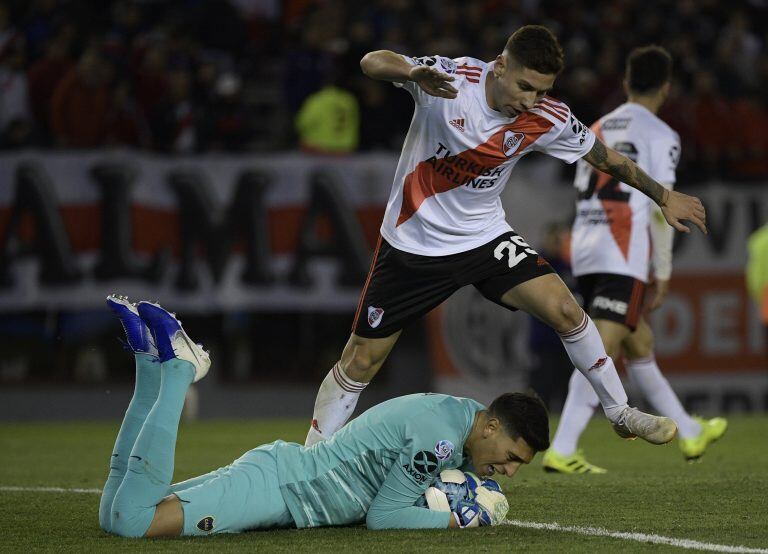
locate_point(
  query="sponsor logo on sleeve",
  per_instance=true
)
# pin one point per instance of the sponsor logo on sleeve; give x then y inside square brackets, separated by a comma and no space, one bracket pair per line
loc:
[674,155]
[422,467]
[579,129]
[444,449]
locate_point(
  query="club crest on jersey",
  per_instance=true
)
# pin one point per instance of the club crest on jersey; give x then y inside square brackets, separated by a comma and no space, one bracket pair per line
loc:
[374,316]
[512,142]
[444,449]
[206,524]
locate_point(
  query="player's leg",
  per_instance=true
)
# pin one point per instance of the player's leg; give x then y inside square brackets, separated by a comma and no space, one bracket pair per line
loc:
[340,390]
[140,342]
[547,298]
[695,433]
[400,288]
[563,455]
[150,466]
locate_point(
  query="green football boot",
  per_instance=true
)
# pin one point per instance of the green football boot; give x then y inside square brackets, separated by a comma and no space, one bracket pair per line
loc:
[554,462]
[711,430]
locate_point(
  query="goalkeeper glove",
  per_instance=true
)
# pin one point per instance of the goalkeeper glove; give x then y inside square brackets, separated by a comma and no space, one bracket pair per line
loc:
[471,514]
[493,504]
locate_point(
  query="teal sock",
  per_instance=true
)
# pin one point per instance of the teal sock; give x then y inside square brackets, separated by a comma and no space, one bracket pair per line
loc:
[145,393]
[150,465]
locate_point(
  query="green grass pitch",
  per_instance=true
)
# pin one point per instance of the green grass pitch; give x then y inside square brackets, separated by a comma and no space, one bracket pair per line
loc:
[723,499]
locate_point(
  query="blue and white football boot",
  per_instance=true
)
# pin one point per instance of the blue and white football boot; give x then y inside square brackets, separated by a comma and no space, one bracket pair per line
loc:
[171,339]
[137,335]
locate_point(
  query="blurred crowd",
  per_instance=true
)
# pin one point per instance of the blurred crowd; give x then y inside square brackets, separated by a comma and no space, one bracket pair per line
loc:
[188,76]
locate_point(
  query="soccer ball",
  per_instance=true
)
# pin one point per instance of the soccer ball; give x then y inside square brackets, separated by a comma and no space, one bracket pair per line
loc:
[453,485]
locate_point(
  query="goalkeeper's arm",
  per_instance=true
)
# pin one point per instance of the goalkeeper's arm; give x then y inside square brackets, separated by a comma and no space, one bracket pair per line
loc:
[393,506]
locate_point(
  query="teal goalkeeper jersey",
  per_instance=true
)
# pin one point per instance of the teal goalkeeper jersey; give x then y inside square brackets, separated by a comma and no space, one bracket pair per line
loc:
[378,465]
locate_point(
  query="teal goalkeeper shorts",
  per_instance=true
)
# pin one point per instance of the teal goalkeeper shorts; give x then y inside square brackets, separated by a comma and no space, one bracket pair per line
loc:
[241,496]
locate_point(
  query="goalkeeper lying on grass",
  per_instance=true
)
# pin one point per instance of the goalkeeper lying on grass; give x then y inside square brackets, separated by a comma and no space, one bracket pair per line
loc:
[376,469]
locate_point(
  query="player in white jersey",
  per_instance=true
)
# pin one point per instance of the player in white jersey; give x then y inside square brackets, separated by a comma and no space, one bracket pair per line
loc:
[615,233]
[445,228]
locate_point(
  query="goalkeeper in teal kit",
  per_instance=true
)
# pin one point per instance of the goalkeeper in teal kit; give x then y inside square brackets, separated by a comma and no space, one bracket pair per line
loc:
[374,470]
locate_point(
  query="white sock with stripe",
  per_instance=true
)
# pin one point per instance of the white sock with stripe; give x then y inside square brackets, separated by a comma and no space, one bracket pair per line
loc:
[335,402]
[577,411]
[657,390]
[585,348]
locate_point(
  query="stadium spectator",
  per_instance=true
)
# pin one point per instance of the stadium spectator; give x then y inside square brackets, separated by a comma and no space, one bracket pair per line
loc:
[281,52]
[329,121]
[15,115]
[82,102]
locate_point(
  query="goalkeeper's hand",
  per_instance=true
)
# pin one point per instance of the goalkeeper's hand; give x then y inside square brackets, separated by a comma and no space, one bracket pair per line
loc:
[470,513]
[493,502]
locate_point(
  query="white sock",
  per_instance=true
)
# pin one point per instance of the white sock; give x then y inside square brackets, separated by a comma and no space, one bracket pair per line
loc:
[577,411]
[656,390]
[586,350]
[335,402]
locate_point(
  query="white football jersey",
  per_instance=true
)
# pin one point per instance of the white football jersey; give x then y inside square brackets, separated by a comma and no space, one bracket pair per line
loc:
[457,157]
[610,232]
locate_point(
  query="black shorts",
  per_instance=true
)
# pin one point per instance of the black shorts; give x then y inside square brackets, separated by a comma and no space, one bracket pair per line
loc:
[613,297]
[402,286]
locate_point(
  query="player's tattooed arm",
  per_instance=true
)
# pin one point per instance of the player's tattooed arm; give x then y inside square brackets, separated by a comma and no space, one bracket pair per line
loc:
[625,170]
[675,206]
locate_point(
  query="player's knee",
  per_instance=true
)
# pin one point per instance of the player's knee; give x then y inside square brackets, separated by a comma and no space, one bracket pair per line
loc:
[105,521]
[360,363]
[639,347]
[567,315]
[129,520]
[359,366]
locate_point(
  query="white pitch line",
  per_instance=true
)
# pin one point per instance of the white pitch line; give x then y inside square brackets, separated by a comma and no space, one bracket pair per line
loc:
[49,489]
[591,531]
[639,537]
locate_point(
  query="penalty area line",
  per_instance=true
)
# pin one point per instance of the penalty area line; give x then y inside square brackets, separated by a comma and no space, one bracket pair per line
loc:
[638,537]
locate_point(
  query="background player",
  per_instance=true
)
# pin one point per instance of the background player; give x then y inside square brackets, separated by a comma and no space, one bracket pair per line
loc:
[444,226]
[610,255]
[374,470]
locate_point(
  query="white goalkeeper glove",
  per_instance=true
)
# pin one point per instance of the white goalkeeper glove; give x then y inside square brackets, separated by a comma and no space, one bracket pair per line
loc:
[493,503]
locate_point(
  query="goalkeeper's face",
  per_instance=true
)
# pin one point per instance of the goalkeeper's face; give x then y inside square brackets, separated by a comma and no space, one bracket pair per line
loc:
[495,452]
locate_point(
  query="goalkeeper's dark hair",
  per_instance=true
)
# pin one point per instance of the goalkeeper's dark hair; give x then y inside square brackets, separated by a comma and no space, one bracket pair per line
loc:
[648,68]
[523,415]
[537,48]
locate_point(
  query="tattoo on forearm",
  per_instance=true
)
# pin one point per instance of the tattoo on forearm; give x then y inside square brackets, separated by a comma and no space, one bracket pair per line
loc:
[598,155]
[626,171]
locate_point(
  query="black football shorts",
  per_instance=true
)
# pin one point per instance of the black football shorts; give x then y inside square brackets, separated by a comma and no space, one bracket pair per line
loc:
[613,297]
[402,286]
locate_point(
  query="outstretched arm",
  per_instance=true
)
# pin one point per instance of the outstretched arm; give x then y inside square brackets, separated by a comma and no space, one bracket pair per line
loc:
[385,65]
[675,206]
